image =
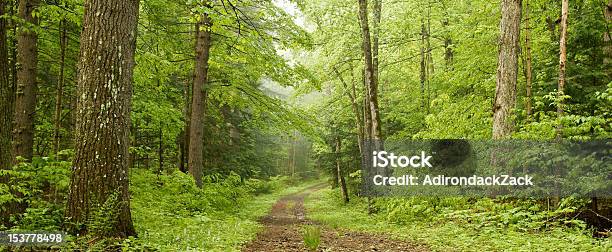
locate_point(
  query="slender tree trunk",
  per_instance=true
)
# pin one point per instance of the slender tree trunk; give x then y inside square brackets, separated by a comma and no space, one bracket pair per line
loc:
[294,150]
[60,88]
[507,68]
[184,139]
[608,37]
[430,63]
[25,103]
[448,41]
[200,83]
[369,71]
[528,59]
[367,115]
[354,107]
[562,60]
[358,113]
[423,71]
[100,167]
[377,8]
[341,180]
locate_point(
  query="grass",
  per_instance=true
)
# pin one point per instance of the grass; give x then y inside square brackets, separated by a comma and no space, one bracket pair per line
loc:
[227,230]
[312,237]
[324,206]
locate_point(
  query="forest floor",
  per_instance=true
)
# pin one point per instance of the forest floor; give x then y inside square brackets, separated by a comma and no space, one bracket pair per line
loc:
[283,231]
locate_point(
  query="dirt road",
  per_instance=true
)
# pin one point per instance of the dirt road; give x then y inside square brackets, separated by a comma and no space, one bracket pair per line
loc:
[282,232]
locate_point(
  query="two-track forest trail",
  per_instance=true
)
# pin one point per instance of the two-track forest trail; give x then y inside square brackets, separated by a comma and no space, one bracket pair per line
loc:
[284,223]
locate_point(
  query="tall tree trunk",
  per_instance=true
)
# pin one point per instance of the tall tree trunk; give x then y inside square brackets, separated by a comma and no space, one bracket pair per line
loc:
[608,37]
[377,8]
[528,59]
[430,63]
[448,41]
[367,115]
[184,139]
[7,90]
[354,106]
[200,83]
[341,180]
[562,60]
[423,71]
[7,94]
[100,167]
[60,88]
[369,71]
[25,102]
[507,68]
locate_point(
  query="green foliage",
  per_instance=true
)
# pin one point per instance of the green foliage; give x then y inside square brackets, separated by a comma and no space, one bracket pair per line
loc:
[463,224]
[220,217]
[312,237]
[104,217]
[40,186]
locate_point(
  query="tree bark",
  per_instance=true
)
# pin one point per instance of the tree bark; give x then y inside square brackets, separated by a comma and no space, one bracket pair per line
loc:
[367,115]
[184,137]
[562,61]
[528,60]
[370,77]
[608,37]
[60,88]
[105,74]
[341,180]
[507,68]
[351,94]
[448,41]
[377,8]
[422,70]
[13,50]
[200,83]
[7,90]
[25,101]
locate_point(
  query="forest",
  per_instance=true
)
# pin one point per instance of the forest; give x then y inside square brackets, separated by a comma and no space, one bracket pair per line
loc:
[249,125]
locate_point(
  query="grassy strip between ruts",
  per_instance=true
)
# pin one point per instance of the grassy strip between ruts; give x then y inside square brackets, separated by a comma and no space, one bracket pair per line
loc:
[189,230]
[323,206]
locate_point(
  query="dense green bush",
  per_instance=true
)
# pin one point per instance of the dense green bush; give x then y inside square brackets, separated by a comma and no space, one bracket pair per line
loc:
[39,188]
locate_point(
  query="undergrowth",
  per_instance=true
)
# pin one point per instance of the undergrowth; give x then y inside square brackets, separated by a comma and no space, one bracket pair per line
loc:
[169,212]
[460,224]
[176,216]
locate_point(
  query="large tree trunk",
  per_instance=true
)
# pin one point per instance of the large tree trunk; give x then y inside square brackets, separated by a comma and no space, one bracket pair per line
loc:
[7,91]
[100,168]
[60,88]
[7,103]
[196,144]
[528,59]
[562,58]
[370,77]
[25,102]
[507,68]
